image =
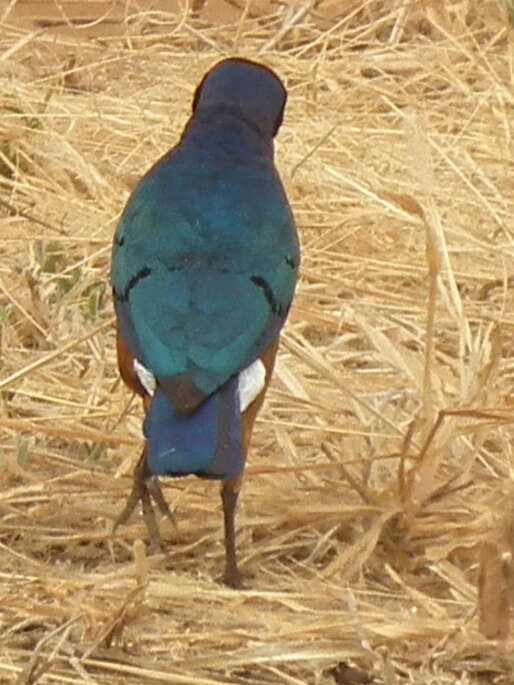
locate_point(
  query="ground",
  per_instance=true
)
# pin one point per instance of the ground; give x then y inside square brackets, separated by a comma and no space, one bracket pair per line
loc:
[376,520]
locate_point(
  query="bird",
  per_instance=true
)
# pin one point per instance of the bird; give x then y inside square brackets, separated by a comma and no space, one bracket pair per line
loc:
[205,261]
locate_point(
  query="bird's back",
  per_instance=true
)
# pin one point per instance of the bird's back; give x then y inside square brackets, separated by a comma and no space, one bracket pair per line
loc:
[205,258]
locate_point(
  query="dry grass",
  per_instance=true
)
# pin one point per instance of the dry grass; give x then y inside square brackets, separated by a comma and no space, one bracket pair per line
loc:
[379,492]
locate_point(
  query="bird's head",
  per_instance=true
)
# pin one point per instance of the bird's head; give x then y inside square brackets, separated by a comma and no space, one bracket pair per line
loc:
[251,90]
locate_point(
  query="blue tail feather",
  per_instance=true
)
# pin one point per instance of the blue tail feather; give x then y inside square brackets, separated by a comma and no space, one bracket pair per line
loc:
[207,442]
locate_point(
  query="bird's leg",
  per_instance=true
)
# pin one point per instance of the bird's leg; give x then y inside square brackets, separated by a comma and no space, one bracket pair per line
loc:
[229,494]
[146,488]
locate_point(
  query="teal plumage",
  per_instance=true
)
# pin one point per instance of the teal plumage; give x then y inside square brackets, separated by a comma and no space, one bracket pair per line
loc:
[208,218]
[204,266]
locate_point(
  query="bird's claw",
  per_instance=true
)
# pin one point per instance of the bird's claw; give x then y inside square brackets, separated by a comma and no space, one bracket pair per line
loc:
[232,578]
[145,489]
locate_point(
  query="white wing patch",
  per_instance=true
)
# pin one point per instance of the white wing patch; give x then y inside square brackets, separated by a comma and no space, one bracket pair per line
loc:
[146,378]
[250,381]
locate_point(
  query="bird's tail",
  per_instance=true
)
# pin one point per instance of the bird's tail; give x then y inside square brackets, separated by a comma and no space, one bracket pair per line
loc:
[206,442]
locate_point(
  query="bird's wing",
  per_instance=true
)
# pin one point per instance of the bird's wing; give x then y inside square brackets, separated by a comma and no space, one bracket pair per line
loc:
[197,317]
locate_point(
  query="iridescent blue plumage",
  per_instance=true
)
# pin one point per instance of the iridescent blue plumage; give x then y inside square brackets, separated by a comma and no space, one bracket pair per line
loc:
[214,449]
[206,220]
[205,257]
[204,266]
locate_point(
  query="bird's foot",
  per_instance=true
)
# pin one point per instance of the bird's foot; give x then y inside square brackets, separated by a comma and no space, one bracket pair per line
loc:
[233,578]
[229,494]
[146,489]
